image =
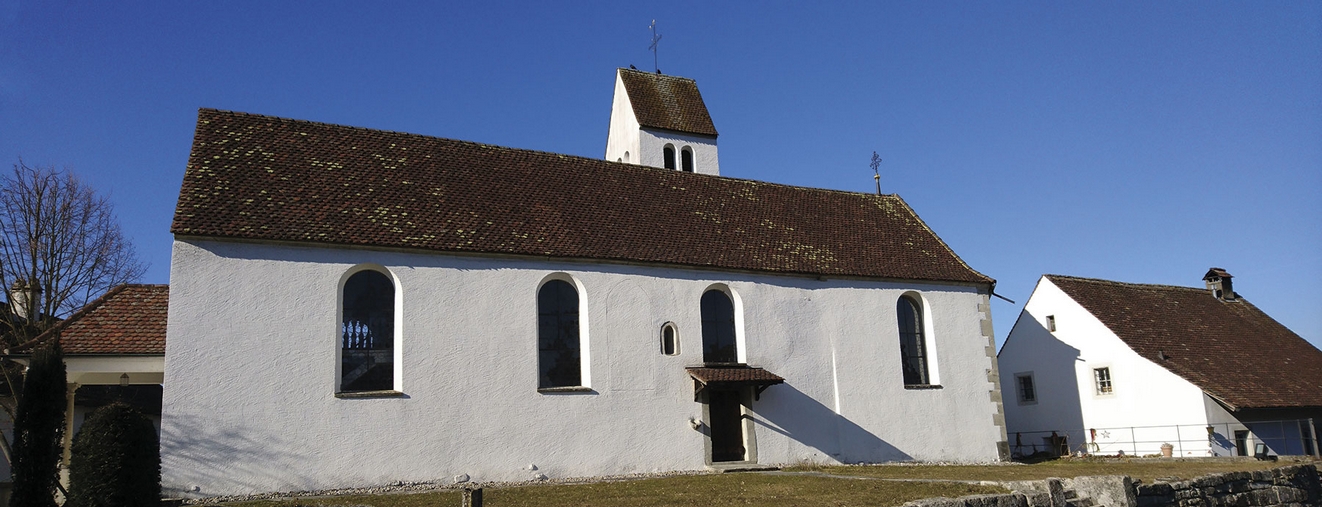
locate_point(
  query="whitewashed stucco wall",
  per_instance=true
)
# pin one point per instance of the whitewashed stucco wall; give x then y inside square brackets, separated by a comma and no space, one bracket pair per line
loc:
[652,143]
[253,337]
[1145,394]
[622,139]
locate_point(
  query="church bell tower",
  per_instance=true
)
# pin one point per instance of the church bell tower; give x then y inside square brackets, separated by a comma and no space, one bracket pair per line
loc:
[661,121]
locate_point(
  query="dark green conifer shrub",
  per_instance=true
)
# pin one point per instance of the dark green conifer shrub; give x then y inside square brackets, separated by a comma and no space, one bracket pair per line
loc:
[38,429]
[116,460]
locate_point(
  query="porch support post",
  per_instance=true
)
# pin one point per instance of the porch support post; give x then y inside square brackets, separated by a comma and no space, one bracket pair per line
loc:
[67,443]
[1317,450]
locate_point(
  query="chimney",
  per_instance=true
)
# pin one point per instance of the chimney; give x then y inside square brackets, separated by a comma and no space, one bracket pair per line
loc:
[24,299]
[1218,281]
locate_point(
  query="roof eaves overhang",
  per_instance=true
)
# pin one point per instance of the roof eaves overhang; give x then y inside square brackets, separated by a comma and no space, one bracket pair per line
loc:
[989,285]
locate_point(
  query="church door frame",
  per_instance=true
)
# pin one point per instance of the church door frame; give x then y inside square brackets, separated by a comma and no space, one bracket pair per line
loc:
[717,422]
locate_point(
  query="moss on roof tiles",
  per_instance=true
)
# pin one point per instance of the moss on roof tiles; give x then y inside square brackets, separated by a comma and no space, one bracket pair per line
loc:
[459,196]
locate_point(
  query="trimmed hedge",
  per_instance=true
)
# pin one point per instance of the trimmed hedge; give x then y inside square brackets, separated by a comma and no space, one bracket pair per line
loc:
[116,460]
[39,428]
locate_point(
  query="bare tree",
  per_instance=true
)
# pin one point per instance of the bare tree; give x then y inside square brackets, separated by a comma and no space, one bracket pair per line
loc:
[60,247]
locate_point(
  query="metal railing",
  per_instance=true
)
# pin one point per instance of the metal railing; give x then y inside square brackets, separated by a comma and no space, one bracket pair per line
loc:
[1288,437]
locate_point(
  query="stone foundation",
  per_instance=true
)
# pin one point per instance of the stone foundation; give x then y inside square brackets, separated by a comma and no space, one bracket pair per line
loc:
[1291,486]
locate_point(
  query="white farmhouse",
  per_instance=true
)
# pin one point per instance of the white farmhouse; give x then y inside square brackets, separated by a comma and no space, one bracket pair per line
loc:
[1105,367]
[352,307]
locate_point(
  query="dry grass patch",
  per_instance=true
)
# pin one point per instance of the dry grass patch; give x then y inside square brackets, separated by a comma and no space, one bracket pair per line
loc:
[1145,469]
[700,490]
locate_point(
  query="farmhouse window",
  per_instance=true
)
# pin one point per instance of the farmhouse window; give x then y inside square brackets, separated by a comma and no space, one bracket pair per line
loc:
[558,348]
[913,346]
[367,333]
[1026,390]
[1103,378]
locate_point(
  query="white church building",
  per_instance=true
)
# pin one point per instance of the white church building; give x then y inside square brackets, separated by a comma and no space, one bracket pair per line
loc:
[353,307]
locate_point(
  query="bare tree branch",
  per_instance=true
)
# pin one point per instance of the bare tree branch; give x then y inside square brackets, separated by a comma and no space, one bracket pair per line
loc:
[59,237]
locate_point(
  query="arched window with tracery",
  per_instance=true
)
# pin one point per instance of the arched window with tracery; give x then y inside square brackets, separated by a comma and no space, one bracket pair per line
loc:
[913,343]
[558,347]
[367,333]
[718,329]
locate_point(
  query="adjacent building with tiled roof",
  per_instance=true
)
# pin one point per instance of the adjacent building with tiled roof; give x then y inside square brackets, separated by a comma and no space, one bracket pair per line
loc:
[1089,354]
[127,320]
[352,307]
[114,350]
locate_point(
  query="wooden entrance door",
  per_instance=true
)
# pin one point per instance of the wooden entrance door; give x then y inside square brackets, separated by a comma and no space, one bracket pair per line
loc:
[727,426]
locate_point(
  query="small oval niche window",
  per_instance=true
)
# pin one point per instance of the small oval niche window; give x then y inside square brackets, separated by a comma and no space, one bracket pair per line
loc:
[669,339]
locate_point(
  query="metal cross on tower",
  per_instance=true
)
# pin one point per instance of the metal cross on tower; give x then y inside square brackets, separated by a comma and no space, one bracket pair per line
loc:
[876,173]
[655,39]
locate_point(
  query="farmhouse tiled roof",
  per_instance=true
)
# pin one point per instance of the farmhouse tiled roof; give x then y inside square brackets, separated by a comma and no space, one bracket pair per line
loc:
[667,102]
[1229,349]
[253,177]
[127,320]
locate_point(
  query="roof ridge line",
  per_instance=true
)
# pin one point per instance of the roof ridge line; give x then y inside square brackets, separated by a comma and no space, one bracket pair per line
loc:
[1114,282]
[640,71]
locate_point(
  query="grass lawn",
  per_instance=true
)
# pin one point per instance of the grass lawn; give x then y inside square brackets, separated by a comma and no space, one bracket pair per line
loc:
[793,490]
[1145,469]
[696,490]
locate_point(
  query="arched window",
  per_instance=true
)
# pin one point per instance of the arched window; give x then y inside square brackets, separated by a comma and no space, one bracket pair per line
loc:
[913,346]
[718,341]
[367,331]
[669,339]
[557,336]
[686,159]
[668,154]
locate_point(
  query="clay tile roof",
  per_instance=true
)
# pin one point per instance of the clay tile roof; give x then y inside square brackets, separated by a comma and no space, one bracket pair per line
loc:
[261,178]
[1230,349]
[667,102]
[734,375]
[128,320]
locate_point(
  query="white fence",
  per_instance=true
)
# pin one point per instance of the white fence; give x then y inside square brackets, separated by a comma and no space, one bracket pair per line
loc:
[1291,437]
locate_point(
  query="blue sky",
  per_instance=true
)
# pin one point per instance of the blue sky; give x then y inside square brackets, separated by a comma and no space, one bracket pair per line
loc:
[1131,141]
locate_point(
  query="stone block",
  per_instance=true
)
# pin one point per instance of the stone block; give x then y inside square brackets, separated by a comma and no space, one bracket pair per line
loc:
[1043,493]
[1231,500]
[936,502]
[1188,492]
[1156,500]
[1108,490]
[1285,494]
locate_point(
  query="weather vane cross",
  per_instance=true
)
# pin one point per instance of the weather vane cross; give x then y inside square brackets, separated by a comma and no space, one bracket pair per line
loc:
[876,173]
[655,39]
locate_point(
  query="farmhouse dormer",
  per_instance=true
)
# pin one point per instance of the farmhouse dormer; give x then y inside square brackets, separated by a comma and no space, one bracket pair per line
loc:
[661,121]
[1218,281]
